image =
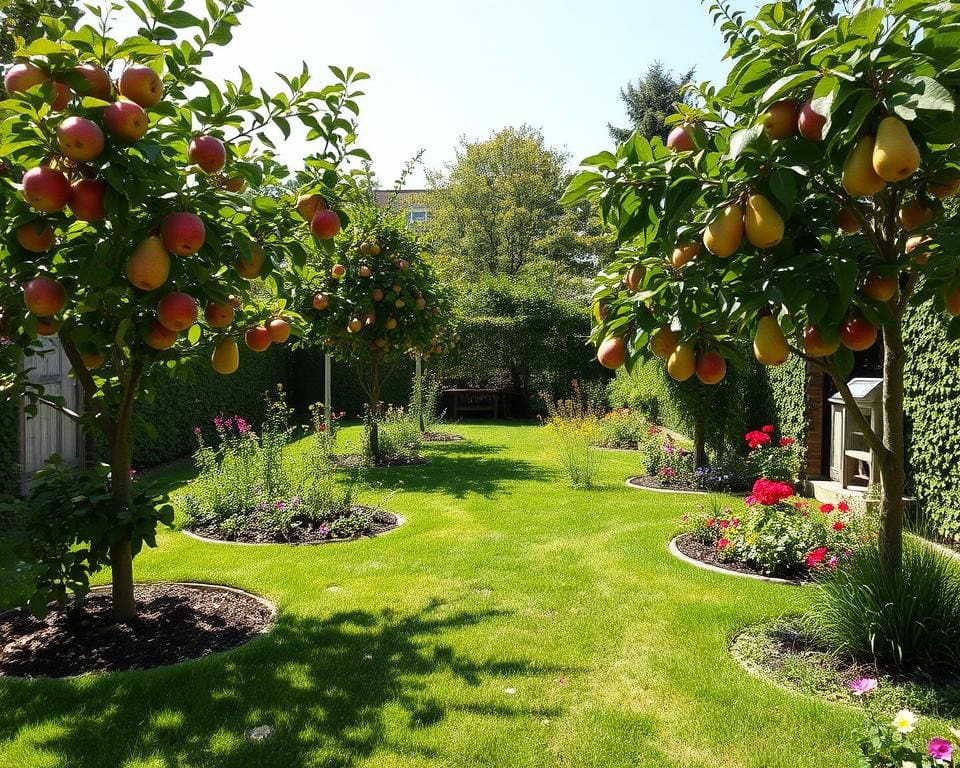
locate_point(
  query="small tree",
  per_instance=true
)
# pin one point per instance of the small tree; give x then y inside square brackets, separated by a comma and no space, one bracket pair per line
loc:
[650,101]
[376,302]
[813,178]
[123,154]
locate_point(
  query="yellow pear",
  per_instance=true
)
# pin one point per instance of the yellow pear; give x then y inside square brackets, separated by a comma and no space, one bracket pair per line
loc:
[226,357]
[770,345]
[859,177]
[663,342]
[763,223]
[682,363]
[895,156]
[723,234]
[149,265]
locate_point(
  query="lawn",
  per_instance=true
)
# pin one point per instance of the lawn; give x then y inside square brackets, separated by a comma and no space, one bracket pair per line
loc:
[510,622]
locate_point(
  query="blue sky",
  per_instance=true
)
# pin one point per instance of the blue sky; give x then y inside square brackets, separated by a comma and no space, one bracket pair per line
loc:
[445,68]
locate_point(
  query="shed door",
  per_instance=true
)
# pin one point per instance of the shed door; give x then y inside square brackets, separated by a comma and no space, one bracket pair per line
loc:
[50,432]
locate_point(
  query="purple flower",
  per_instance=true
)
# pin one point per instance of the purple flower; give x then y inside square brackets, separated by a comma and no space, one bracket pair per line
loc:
[242,426]
[324,530]
[262,506]
[296,501]
[281,505]
[668,447]
[863,686]
[197,430]
[940,749]
[133,473]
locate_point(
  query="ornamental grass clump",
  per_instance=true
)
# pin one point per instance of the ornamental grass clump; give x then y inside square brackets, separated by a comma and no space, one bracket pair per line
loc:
[573,425]
[904,622]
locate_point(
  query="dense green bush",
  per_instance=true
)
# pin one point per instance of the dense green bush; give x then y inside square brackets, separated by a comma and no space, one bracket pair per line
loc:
[177,405]
[517,334]
[9,448]
[932,404]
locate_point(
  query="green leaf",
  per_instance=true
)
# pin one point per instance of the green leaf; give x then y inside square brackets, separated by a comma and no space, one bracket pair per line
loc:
[787,84]
[179,20]
[743,139]
[579,187]
[867,23]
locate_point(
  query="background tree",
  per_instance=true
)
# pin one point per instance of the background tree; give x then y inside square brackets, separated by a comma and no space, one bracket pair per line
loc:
[650,101]
[20,21]
[375,302]
[816,190]
[495,210]
[112,187]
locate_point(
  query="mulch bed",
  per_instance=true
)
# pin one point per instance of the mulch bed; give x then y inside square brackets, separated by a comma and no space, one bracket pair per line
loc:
[175,622]
[306,533]
[620,446]
[692,547]
[653,483]
[351,460]
[441,437]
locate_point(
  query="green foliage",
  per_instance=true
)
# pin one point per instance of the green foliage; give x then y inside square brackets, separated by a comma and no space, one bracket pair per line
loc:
[650,102]
[425,401]
[20,21]
[771,457]
[398,433]
[932,404]
[9,447]
[65,526]
[786,401]
[573,427]
[250,482]
[909,620]
[518,335]
[623,428]
[496,210]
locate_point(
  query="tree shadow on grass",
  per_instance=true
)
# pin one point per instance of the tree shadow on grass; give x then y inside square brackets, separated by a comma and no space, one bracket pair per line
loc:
[323,684]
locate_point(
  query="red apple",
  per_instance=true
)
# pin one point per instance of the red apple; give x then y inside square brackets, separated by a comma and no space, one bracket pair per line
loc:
[159,337]
[235,184]
[815,345]
[377,294]
[612,352]
[177,311]
[308,205]
[183,233]
[325,224]
[44,296]
[208,152]
[23,76]
[401,264]
[126,120]
[680,139]
[46,189]
[354,325]
[711,367]
[218,315]
[141,84]
[321,301]
[47,326]
[279,330]
[810,123]
[364,271]
[420,304]
[858,334]
[847,222]
[251,270]
[86,199]
[258,339]
[338,271]
[98,81]
[62,96]
[881,288]
[80,139]
[391,323]
[36,236]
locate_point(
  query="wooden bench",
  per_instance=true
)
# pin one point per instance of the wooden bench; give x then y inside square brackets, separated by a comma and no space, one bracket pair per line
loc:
[489,402]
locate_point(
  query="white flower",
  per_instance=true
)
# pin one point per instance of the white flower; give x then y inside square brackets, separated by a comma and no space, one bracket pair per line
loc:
[904,721]
[510,691]
[955,732]
[908,764]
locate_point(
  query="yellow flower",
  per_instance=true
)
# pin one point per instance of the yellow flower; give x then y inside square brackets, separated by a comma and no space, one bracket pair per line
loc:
[955,732]
[904,721]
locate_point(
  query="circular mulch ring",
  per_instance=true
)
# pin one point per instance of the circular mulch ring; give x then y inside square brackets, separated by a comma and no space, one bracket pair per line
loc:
[629,447]
[175,622]
[783,652]
[687,548]
[306,535]
[353,460]
[648,483]
[441,437]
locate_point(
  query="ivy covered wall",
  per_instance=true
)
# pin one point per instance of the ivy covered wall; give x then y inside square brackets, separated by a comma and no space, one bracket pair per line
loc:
[9,448]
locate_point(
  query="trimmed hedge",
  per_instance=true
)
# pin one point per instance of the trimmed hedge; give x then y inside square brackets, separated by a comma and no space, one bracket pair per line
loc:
[9,448]
[788,398]
[933,408]
[182,403]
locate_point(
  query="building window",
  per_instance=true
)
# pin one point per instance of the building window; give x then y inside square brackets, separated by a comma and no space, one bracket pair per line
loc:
[417,215]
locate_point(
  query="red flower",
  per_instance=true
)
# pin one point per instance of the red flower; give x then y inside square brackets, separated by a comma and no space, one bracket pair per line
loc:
[826,508]
[710,523]
[724,524]
[722,544]
[786,441]
[843,506]
[755,439]
[735,522]
[685,518]
[768,428]
[816,557]
[838,526]
[769,492]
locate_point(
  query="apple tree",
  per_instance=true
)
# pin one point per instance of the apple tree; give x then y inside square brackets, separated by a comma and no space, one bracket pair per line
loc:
[137,223]
[375,302]
[800,203]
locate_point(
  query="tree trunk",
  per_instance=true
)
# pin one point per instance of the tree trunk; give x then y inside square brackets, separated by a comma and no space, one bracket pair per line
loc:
[699,439]
[892,460]
[374,392]
[121,457]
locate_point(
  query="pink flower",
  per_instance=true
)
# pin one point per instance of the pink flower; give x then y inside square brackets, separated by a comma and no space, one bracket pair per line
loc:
[735,522]
[832,563]
[768,428]
[862,686]
[816,557]
[940,749]
[724,524]
[197,430]
[826,508]
[722,544]
[838,526]
[786,441]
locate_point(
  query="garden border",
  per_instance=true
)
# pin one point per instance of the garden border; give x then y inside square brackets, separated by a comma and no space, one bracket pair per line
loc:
[271,606]
[675,551]
[207,540]
[628,482]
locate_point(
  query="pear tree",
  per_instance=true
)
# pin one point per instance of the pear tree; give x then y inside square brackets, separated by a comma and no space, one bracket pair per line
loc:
[141,222]
[802,203]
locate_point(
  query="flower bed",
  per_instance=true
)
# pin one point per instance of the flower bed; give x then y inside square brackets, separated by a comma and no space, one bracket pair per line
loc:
[777,533]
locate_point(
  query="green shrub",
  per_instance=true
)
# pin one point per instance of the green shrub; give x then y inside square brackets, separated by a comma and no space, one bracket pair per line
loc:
[424,405]
[904,621]
[772,458]
[572,425]
[398,432]
[623,428]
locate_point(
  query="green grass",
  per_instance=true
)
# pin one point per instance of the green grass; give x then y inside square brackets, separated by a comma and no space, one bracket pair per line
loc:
[397,651]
